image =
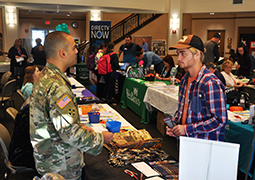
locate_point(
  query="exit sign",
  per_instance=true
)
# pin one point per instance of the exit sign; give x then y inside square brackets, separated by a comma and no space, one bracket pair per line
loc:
[47,22]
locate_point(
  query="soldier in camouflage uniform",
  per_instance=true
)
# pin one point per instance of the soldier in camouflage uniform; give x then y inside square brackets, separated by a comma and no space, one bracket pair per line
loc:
[58,137]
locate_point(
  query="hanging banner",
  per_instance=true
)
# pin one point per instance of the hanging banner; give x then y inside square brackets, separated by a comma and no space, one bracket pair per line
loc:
[100,32]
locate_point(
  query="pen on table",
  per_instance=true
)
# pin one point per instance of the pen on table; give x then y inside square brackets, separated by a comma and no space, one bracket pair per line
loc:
[141,176]
[130,173]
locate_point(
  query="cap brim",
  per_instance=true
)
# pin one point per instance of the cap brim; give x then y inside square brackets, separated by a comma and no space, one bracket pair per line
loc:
[179,46]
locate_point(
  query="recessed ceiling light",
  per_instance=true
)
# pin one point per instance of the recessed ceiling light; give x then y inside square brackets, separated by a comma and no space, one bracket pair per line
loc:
[212,13]
[68,14]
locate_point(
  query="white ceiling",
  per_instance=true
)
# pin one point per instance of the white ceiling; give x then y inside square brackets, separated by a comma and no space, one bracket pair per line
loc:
[39,9]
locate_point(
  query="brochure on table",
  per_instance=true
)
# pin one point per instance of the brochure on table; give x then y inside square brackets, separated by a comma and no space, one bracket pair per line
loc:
[74,82]
[106,112]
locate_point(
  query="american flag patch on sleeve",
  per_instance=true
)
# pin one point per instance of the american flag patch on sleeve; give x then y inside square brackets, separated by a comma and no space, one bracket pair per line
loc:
[63,101]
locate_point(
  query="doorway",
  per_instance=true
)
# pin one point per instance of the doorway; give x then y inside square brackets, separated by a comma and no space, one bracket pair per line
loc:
[247,36]
[221,44]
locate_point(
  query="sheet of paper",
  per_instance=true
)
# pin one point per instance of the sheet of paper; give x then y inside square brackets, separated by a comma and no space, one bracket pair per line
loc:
[98,127]
[78,92]
[145,169]
[237,117]
[154,178]
[19,59]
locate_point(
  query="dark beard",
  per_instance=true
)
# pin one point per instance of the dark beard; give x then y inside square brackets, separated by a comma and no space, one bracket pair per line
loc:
[129,44]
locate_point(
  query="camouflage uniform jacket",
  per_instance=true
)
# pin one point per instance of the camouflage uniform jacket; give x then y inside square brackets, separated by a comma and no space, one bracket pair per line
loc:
[56,134]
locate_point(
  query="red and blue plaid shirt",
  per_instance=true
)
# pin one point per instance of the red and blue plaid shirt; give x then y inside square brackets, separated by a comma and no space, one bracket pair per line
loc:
[207,113]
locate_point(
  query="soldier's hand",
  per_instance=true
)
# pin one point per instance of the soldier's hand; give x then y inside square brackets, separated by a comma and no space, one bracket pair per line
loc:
[86,128]
[108,136]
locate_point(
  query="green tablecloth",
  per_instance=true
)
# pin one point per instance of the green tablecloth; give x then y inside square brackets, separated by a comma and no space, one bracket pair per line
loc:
[132,96]
[241,134]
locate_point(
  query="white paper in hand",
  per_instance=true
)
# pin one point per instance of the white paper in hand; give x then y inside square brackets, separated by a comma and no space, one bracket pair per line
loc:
[19,59]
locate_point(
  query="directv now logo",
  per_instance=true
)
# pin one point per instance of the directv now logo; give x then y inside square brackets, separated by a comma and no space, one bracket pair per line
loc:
[100,31]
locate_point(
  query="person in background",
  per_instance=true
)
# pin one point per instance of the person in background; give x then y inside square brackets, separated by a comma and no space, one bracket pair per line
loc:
[101,50]
[244,61]
[165,72]
[145,45]
[92,78]
[31,73]
[231,81]
[212,68]
[150,58]
[38,54]
[202,109]
[233,57]
[109,78]
[212,49]
[58,137]
[18,56]
[129,49]
[180,73]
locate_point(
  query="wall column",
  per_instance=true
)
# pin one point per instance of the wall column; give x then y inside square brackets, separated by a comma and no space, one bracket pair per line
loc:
[175,23]
[10,18]
[93,15]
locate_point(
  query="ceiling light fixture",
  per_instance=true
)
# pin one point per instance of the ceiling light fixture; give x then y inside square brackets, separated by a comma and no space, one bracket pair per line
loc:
[212,13]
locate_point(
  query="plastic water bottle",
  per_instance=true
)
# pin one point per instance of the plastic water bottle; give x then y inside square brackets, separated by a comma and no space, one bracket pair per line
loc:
[152,69]
[172,80]
[242,101]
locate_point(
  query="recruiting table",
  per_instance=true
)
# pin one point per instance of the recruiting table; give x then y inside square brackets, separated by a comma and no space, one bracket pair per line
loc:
[4,67]
[236,132]
[164,99]
[83,94]
[98,167]
[132,97]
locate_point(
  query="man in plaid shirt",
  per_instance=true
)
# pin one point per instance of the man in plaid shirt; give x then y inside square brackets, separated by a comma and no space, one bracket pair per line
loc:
[202,109]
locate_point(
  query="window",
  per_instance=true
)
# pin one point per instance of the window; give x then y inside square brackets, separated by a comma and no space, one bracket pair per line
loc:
[40,33]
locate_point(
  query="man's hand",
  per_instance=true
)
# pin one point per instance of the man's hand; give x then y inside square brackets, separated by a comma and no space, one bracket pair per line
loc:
[178,130]
[108,136]
[169,131]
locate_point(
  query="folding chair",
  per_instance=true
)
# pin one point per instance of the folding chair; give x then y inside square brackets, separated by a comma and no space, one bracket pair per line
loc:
[5,140]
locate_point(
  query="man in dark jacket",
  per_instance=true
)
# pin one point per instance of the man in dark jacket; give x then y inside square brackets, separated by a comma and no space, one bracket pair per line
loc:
[38,53]
[212,49]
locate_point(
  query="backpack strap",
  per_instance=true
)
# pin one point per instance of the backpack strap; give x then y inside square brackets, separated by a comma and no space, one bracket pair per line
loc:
[110,62]
[112,53]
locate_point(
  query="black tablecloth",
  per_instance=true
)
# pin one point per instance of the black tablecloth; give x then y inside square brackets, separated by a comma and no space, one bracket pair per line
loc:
[97,168]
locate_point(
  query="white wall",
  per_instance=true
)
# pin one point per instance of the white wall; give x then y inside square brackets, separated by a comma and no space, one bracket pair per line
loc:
[230,25]
[207,6]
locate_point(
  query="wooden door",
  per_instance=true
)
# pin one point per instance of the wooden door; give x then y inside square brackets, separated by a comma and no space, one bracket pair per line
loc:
[210,34]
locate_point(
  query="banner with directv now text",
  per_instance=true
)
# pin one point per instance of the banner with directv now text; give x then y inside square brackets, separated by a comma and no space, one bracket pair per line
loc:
[100,32]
